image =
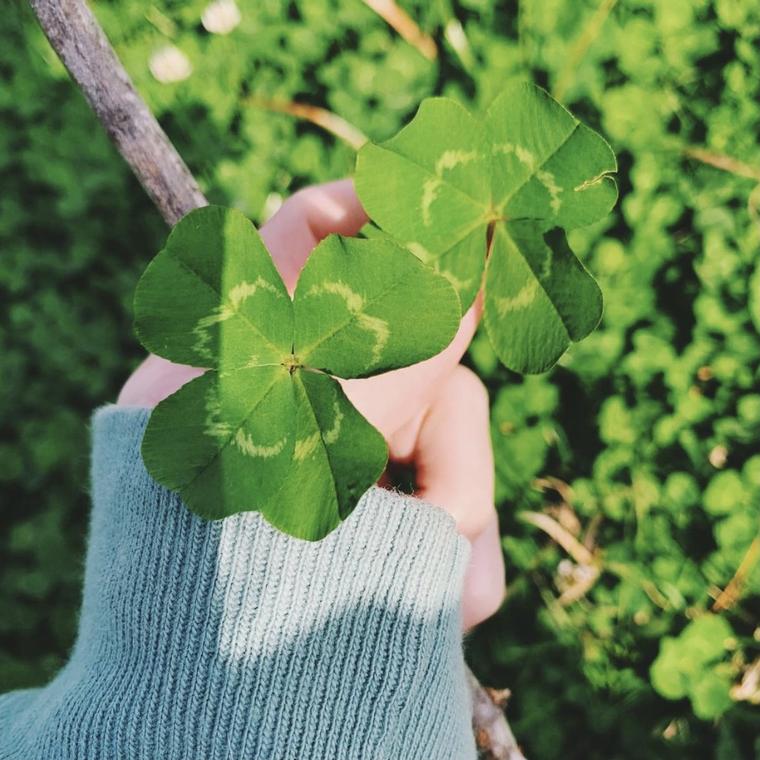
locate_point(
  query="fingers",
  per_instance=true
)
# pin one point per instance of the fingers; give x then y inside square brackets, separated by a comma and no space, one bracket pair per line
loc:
[154,380]
[307,217]
[453,456]
[454,466]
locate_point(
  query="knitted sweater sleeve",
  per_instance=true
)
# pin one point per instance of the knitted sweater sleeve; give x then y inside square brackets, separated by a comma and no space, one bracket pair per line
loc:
[227,639]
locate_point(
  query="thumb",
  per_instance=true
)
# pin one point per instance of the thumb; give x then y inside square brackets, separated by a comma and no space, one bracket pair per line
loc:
[454,468]
[307,217]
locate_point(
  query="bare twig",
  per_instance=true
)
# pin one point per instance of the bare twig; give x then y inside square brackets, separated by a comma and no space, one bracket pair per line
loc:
[396,17]
[327,120]
[555,484]
[587,571]
[732,166]
[731,593]
[561,535]
[81,44]
[492,732]
[722,161]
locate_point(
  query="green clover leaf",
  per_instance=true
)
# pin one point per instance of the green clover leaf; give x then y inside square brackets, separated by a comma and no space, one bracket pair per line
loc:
[267,427]
[689,665]
[457,191]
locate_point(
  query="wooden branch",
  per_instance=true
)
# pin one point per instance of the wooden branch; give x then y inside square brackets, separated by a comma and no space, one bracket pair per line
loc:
[492,732]
[81,44]
[396,17]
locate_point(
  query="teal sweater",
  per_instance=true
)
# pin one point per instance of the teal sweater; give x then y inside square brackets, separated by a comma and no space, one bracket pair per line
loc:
[227,639]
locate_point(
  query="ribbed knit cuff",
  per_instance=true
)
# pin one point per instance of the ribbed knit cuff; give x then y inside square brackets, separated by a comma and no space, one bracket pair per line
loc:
[227,639]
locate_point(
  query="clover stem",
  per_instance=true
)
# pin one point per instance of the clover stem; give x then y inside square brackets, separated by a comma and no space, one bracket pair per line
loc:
[490,234]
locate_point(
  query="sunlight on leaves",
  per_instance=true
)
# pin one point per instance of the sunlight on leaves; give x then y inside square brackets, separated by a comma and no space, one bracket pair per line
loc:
[267,427]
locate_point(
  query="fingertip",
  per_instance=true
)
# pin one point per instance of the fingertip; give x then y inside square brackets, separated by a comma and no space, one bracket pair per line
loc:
[307,217]
[333,207]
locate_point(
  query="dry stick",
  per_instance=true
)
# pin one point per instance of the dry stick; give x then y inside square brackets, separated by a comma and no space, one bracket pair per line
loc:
[578,551]
[405,25]
[492,733]
[733,166]
[722,161]
[79,41]
[560,535]
[327,120]
[731,593]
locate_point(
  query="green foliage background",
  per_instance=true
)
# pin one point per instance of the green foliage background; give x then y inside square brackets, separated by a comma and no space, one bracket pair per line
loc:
[643,442]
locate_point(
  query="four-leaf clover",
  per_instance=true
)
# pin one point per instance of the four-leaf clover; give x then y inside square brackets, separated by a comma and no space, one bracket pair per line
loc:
[456,190]
[267,427]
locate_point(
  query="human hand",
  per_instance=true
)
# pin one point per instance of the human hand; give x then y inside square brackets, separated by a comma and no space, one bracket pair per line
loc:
[433,415]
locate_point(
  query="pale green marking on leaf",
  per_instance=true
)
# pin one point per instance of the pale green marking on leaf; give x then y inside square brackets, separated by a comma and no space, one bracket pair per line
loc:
[524,156]
[245,444]
[203,335]
[237,295]
[193,304]
[550,183]
[244,290]
[224,431]
[355,303]
[450,159]
[536,286]
[419,250]
[340,456]
[453,158]
[546,266]
[588,183]
[192,440]
[379,328]
[429,193]
[331,436]
[307,446]
[216,427]
[524,298]
[505,147]
[458,283]
[380,282]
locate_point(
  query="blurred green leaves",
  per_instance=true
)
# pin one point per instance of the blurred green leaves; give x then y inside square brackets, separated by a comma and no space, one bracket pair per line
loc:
[689,666]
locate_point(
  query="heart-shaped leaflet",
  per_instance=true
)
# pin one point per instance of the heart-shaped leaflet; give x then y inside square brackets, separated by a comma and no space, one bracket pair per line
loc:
[267,427]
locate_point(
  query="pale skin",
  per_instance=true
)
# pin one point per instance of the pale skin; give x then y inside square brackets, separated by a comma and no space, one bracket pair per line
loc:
[434,415]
